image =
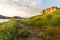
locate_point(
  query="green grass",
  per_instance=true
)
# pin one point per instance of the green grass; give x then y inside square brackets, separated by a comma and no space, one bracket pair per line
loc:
[48,23]
[8,30]
[24,34]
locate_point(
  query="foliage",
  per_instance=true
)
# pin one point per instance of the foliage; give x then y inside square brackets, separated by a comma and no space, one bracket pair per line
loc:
[49,25]
[8,30]
[50,33]
[25,21]
[24,34]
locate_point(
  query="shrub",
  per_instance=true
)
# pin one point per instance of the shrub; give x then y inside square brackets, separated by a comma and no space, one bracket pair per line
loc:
[8,30]
[24,34]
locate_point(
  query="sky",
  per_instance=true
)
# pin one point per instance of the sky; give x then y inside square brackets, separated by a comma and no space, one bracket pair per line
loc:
[25,8]
[50,3]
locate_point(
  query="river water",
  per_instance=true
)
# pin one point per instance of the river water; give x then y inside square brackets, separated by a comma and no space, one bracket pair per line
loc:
[4,20]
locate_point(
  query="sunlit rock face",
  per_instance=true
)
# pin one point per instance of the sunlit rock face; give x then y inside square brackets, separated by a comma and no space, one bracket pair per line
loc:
[17,8]
[49,10]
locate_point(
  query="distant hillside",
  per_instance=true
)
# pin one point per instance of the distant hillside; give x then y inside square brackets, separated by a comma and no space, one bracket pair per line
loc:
[5,17]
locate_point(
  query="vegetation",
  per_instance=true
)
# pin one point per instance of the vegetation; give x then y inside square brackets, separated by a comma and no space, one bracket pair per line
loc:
[8,30]
[49,25]
[24,34]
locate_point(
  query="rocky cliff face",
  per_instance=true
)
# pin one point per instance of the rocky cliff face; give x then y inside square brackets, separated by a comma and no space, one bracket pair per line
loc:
[49,10]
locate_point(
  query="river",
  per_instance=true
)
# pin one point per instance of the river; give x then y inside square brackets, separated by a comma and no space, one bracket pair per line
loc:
[3,20]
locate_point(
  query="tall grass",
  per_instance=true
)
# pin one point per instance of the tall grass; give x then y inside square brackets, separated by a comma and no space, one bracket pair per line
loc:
[8,30]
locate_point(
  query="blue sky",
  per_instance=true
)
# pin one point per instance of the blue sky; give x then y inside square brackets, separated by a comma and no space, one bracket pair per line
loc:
[50,3]
[25,8]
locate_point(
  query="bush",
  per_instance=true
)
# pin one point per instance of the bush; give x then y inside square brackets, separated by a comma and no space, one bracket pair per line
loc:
[8,30]
[24,34]
[56,21]
[50,33]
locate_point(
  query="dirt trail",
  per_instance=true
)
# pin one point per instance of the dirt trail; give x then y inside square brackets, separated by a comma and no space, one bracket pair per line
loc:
[33,31]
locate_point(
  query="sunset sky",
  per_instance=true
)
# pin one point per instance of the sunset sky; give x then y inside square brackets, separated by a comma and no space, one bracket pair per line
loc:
[25,8]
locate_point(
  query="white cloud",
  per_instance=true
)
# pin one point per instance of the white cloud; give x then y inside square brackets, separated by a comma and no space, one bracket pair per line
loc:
[13,7]
[11,11]
[30,2]
[15,0]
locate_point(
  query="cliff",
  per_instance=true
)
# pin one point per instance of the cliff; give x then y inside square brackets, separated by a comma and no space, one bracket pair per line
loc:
[49,10]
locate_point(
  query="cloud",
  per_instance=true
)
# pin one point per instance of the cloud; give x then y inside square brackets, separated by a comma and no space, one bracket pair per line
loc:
[23,8]
[33,6]
[11,11]
[30,2]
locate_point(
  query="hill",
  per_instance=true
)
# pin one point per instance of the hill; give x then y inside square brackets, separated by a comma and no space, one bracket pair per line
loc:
[45,18]
[6,17]
[48,25]
[49,10]
[40,27]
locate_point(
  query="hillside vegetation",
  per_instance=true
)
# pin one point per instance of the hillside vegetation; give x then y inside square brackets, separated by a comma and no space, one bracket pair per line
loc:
[8,30]
[49,25]
[40,27]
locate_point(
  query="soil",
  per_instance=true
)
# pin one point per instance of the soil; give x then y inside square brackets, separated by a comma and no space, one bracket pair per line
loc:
[32,30]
